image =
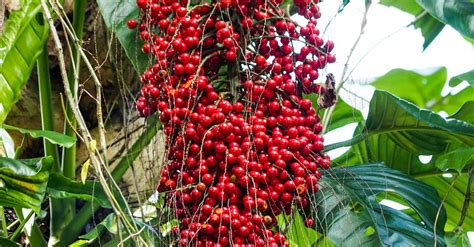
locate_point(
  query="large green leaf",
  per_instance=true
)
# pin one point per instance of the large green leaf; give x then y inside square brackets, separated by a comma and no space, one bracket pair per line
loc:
[397,132]
[51,136]
[404,84]
[20,44]
[416,130]
[458,14]
[348,212]
[116,14]
[23,183]
[430,27]
[412,86]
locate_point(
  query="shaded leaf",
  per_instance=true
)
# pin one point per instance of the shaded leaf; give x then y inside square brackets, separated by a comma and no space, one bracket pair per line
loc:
[5,242]
[458,14]
[20,44]
[23,182]
[61,187]
[116,14]
[109,223]
[457,239]
[349,214]
[468,76]
[51,136]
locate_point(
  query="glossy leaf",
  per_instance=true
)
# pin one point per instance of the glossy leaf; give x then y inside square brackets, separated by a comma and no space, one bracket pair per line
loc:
[20,44]
[116,14]
[429,26]
[23,183]
[348,212]
[458,14]
[397,132]
[51,136]
[416,130]
[468,76]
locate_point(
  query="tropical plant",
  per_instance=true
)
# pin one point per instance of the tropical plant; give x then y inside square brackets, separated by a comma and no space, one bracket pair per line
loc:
[346,205]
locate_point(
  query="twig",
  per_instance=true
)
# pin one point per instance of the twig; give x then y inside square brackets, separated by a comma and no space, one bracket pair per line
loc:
[467,197]
[328,113]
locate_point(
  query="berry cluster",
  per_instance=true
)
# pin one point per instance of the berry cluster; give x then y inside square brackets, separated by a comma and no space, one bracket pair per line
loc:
[243,145]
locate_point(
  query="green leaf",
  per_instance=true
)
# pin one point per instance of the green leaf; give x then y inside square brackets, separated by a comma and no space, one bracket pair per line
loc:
[296,232]
[23,182]
[20,44]
[457,159]
[468,76]
[116,14]
[404,83]
[415,130]
[465,113]
[458,14]
[430,27]
[343,5]
[109,223]
[454,239]
[61,187]
[5,242]
[344,114]
[51,136]
[348,212]
[397,132]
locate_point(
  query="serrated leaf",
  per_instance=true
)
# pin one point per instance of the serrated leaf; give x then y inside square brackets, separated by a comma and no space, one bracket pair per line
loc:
[468,76]
[349,214]
[21,42]
[116,14]
[23,182]
[52,136]
[85,170]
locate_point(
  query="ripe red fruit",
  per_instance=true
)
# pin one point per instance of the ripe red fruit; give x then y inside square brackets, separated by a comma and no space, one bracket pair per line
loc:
[132,24]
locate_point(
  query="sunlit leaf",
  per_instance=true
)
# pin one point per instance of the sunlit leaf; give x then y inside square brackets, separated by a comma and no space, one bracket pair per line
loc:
[21,42]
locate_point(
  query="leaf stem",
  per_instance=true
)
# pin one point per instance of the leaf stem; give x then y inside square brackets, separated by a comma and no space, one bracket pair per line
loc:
[16,233]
